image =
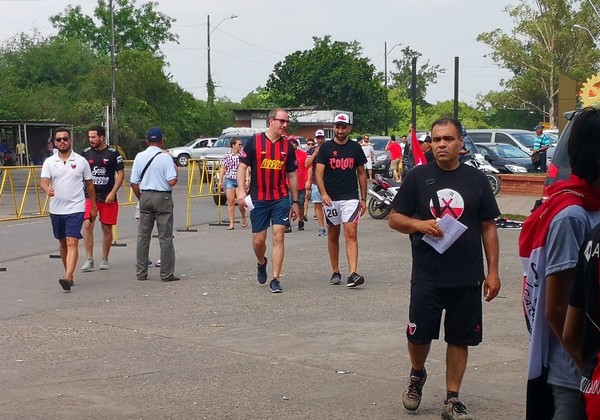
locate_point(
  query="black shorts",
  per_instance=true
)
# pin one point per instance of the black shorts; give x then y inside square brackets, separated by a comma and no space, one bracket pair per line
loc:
[462,321]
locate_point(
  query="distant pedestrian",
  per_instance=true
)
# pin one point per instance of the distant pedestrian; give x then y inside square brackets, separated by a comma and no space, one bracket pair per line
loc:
[153,177]
[395,157]
[315,196]
[340,172]
[108,173]
[369,154]
[539,152]
[64,175]
[228,179]
[272,161]
[301,173]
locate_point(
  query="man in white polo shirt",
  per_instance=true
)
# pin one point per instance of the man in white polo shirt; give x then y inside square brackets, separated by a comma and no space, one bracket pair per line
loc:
[63,177]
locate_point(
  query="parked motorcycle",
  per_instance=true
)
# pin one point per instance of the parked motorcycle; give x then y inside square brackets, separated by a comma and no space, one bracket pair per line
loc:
[381,195]
[477,161]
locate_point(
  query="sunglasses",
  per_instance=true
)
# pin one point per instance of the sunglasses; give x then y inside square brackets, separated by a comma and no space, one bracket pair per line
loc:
[61,139]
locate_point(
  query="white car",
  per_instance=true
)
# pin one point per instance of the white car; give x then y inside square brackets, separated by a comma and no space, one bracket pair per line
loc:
[192,150]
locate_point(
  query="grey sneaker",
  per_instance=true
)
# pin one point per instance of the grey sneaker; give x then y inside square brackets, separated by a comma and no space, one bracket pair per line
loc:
[88,265]
[336,279]
[104,265]
[454,409]
[414,391]
[355,279]
[322,232]
[275,286]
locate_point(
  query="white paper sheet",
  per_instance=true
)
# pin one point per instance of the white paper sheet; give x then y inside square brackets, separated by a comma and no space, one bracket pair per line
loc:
[452,229]
[249,204]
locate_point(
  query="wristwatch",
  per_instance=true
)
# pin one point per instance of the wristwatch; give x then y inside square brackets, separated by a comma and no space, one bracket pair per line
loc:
[295,202]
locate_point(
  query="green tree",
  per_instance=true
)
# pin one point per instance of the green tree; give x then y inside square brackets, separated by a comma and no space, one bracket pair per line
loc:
[332,75]
[140,28]
[543,44]
[427,74]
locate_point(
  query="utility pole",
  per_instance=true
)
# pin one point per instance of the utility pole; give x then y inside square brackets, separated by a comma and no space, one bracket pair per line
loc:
[210,86]
[385,83]
[456,88]
[413,93]
[113,136]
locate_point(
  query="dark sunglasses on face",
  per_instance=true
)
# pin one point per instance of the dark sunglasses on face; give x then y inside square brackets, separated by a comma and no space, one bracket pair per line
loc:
[60,139]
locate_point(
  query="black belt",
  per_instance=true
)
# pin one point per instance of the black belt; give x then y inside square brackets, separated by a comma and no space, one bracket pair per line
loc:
[157,191]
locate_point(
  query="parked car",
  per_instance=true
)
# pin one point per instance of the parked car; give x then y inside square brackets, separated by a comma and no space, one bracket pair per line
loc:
[522,139]
[382,156]
[507,158]
[182,154]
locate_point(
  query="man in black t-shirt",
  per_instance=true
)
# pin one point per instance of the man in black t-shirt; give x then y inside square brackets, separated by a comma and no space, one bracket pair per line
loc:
[339,169]
[436,193]
[108,172]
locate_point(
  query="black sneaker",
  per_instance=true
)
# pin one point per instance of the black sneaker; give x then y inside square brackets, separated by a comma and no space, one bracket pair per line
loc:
[288,229]
[301,225]
[275,286]
[414,390]
[336,279]
[355,279]
[261,274]
[305,218]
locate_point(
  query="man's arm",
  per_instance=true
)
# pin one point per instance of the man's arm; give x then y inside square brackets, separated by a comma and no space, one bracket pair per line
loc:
[45,185]
[572,338]
[136,190]
[310,159]
[241,191]
[89,185]
[319,171]
[489,235]
[362,182]
[112,195]
[558,290]
[410,225]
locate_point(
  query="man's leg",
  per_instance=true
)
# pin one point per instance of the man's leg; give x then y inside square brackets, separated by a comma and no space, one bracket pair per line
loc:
[259,245]
[145,226]
[72,257]
[350,230]
[278,251]
[418,355]
[456,364]
[333,246]
[88,238]
[320,215]
[107,238]
[164,227]
[63,251]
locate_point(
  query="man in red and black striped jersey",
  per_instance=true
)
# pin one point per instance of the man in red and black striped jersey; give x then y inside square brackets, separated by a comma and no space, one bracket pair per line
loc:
[272,163]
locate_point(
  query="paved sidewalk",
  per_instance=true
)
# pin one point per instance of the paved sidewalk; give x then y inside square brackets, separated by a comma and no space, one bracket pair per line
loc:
[216,345]
[516,204]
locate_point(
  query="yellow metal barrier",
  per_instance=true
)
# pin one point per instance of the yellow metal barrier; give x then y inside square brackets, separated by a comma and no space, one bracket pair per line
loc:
[21,183]
[198,171]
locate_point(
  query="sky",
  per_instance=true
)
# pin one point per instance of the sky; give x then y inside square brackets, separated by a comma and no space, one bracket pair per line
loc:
[244,50]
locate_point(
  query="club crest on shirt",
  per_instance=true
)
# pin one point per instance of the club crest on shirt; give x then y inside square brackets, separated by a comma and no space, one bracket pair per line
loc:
[105,161]
[73,166]
[334,153]
[412,328]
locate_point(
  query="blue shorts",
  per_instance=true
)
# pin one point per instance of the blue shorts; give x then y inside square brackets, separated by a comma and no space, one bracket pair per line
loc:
[67,225]
[265,213]
[301,198]
[230,183]
[315,195]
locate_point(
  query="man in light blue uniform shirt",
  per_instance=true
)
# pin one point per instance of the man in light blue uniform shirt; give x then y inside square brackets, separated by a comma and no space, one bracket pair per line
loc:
[152,179]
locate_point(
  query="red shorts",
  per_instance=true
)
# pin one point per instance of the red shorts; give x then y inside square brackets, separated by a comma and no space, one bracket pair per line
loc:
[108,212]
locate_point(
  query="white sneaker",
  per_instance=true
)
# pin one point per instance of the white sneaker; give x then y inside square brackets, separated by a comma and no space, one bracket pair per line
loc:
[104,264]
[88,265]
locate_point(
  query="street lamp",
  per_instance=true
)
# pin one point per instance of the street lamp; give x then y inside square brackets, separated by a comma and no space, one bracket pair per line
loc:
[385,75]
[210,86]
[588,31]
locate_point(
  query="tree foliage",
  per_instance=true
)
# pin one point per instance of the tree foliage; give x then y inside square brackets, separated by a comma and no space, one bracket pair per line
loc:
[427,74]
[140,28]
[542,45]
[332,75]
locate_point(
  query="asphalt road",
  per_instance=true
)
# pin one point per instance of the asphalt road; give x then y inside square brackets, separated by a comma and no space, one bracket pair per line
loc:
[217,345]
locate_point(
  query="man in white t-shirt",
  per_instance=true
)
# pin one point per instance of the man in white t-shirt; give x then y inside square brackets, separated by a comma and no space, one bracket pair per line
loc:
[63,177]
[369,154]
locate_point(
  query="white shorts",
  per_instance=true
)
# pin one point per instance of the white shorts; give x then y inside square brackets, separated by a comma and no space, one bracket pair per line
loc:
[342,211]
[369,165]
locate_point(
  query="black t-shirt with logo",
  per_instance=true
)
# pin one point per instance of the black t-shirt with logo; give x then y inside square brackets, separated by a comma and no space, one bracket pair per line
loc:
[466,195]
[341,162]
[104,164]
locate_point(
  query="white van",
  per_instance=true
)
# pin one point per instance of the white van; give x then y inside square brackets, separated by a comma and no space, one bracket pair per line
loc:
[522,139]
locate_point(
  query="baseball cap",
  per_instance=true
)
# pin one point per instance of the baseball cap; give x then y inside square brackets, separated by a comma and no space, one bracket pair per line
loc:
[154,134]
[538,127]
[341,119]
[293,139]
[422,138]
[319,133]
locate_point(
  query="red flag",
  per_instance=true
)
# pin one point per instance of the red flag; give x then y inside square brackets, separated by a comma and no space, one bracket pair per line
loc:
[418,155]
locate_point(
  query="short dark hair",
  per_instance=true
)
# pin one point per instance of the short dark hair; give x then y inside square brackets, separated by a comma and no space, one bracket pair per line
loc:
[233,141]
[61,130]
[582,147]
[101,131]
[446,121]
[393,137]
